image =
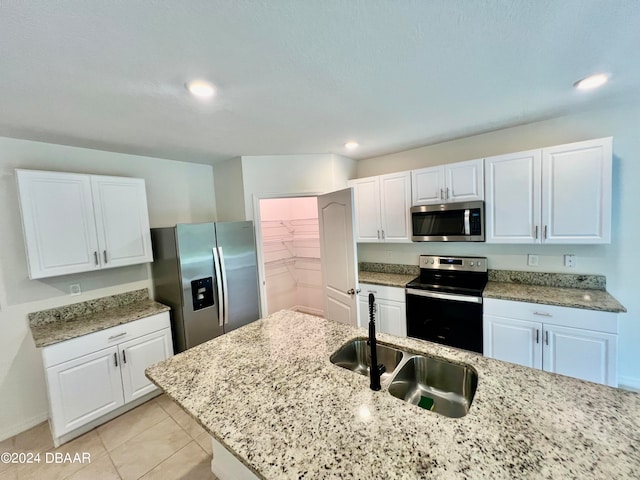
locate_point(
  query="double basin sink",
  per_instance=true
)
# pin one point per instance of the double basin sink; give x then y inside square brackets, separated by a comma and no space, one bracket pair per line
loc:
[429,382]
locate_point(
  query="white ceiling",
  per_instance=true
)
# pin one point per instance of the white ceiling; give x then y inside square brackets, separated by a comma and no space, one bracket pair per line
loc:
[302,76]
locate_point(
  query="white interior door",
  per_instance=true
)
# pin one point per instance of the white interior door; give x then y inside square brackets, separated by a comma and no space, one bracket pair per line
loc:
[338,254]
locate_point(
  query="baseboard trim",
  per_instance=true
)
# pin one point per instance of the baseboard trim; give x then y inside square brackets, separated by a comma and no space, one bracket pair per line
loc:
[629,383]
[14,430]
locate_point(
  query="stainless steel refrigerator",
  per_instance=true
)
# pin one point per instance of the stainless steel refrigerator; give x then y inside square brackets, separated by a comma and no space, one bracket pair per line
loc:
[208,274]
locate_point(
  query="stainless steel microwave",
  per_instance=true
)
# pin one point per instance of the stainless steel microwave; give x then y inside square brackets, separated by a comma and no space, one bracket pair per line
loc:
[448,222]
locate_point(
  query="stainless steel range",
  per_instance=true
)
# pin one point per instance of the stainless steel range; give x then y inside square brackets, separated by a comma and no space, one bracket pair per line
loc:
[444,304]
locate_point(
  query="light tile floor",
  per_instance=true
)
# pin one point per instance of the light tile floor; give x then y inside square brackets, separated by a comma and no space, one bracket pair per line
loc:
[156,440]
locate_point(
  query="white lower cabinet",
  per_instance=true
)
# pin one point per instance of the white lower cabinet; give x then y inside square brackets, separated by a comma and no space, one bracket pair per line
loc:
[570,341]
[391,313]
[102,373]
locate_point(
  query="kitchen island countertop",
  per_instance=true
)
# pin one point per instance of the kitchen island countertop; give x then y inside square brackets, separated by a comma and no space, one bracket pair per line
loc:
[270,395]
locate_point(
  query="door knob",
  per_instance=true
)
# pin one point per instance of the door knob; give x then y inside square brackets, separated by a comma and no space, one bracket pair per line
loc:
[351,291]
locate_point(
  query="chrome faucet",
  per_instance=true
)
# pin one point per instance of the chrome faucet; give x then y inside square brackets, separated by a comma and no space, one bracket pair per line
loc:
[375,370]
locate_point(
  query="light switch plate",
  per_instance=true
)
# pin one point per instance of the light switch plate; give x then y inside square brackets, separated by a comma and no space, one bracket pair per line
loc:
[74,289]
[532,260]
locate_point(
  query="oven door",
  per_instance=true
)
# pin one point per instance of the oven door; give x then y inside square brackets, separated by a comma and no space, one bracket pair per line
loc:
[454,320]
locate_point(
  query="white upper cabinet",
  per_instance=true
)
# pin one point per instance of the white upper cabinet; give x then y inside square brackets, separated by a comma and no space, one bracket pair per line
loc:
[382,206]
[77,223]
[455,182]
[122,220]
[576,192]
[512,203]
[558,194]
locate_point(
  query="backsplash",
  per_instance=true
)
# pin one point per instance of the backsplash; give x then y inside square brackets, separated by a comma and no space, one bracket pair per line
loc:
[68,312]
[564,280]
[389,268]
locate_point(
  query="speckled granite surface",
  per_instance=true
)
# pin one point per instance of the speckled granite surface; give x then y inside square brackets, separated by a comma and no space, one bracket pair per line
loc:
[388,279]
[71,321]
[543,279]
[393,268]
[269,393]
[563,297]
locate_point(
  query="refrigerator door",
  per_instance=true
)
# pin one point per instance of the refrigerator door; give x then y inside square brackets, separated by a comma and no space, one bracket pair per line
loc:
[237,252]
[195,243]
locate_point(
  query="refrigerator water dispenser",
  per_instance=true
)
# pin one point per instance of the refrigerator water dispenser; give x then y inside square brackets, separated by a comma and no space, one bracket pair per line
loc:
[202,293]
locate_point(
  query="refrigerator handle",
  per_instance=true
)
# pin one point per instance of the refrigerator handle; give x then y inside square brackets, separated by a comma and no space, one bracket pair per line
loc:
[224,286]
[216,267]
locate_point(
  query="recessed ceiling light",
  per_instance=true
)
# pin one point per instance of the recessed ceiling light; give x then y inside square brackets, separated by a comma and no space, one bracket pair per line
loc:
[351,145]
[200,88]
[594,81]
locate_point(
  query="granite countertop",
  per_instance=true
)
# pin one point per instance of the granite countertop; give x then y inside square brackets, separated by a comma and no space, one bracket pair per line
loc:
[270,395]
[59,324]
[564,297]
[387,279]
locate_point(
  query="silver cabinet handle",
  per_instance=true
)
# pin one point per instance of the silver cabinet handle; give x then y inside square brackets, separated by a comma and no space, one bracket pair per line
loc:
[104,255]
[441,194]
[95,257]
[378,234]
[124,357]
[112,337]
[115,358]
[537,335]
[543,314]
[447,195]
[545,231]
[382,234]
[546,337]
[536,232]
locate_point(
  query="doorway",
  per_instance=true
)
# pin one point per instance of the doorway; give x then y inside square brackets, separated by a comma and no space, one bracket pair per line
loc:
[289,246]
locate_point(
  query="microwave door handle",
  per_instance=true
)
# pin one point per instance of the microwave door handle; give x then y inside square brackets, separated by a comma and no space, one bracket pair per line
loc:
[216,267]
[467,225]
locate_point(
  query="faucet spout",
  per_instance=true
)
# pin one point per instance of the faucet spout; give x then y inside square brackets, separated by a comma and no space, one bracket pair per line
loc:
[375,370]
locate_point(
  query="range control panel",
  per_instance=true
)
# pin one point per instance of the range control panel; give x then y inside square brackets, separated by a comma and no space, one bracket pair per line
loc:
[463,264]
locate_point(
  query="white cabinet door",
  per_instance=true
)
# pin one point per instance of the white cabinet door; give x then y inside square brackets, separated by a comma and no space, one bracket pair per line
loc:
[464,181]
[138,354]
[395,202]
[392,317]
[366,197]
[512,204]
[84,389]
[583,354]
[427,186]
[122,220]
[511,340]
[576,192]
[58,222]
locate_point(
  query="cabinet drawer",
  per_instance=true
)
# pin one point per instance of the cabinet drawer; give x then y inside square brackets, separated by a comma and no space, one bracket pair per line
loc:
[383,292]
[553,315]
[86,344]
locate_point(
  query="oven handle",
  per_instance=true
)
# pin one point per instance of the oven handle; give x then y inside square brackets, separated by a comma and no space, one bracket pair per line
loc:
[444,296]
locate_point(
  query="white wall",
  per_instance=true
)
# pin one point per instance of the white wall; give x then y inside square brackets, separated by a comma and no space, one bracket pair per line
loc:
[619,261]
[228,182]
[293,174]
[176,192]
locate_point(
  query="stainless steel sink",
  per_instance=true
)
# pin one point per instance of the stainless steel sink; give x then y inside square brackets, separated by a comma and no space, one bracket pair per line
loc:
[429,382]
[436,384]
[355,356]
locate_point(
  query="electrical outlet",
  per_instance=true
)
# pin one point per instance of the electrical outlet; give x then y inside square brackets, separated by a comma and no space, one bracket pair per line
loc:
[389,254]
[74,289]
[570,261]
[532,260]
